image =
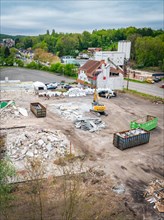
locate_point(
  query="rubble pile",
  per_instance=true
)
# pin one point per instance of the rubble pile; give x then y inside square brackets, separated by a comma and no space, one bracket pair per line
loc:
[154,194]
[72,92]
[11,111]
[69,110]
[44,144]
[89,124]
[76,92]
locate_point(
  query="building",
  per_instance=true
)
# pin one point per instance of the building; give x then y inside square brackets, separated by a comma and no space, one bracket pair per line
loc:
[125,47]
[100,75]
[8,42]
[116,57]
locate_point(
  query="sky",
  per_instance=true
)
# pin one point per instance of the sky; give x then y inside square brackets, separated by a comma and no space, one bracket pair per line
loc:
[34,17]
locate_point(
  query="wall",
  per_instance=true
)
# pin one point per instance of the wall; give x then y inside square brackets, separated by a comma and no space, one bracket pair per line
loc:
[114,82]
[82,76]
[125,46]
[116,57]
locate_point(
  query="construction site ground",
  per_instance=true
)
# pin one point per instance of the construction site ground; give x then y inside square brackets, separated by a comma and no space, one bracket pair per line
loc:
[134,167]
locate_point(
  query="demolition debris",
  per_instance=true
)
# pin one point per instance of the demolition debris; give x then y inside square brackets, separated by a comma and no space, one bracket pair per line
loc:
[154,194]
[89,124]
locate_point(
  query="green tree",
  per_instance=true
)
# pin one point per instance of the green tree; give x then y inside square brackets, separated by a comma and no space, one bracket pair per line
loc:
[7,172]
[6,52]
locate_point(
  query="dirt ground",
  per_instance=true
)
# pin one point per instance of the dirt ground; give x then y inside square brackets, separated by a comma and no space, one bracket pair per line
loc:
[134,167]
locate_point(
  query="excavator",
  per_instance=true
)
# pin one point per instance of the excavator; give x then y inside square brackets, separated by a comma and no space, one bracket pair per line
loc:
[97,108]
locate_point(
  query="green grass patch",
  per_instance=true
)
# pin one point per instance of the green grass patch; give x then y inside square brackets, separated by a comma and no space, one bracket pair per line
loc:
[145,96]
[134,80]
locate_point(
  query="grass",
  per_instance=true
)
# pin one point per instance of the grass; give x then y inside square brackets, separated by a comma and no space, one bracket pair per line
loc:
[134,80]
[146,96]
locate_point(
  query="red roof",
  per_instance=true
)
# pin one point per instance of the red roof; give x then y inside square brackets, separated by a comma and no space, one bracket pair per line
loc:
[91,66]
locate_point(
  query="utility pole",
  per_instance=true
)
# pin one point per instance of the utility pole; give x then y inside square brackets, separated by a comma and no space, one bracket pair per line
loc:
[126,74]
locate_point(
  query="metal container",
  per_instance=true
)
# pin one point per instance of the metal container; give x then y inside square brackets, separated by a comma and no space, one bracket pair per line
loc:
[130,138]
[38,109]
[147,123]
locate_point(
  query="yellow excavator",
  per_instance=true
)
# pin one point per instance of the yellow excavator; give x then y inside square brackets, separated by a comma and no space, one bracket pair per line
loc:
[97,108]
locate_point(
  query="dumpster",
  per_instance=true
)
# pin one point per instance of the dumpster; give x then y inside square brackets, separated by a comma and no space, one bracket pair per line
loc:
[147,123]
[38,109]
[130,138]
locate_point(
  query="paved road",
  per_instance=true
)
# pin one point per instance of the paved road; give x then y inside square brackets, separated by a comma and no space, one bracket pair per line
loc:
[151,89]
[25,75]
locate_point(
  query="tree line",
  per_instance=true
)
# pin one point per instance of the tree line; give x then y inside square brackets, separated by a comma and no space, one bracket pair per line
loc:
[147,44]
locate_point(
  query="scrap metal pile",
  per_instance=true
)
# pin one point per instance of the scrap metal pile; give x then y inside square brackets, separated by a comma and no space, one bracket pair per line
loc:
[131,133]
[89,124]
[154,194]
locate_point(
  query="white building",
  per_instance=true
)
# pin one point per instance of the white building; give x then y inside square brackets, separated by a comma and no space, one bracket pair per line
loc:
[125,47]
[101,75]
[115,56]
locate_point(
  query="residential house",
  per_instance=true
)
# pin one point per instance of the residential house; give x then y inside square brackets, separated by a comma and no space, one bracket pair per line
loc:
[101,75]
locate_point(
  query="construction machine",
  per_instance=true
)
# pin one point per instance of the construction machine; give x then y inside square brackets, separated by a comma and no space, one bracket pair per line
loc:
[97,108]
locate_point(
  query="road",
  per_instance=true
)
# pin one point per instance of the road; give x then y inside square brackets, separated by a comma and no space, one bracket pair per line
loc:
[25,75]
[151,89]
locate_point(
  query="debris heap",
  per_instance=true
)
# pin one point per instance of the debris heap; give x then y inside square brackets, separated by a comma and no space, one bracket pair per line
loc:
[10,111]
[44,144]
[89,124]
[155,194]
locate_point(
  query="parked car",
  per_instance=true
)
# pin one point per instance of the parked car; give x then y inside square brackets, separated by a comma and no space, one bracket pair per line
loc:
[156,79]
[107,93]
[67,86]
[150,80]
[51,85]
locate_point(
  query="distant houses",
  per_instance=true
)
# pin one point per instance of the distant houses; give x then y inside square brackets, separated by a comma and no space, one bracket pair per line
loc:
[8,42]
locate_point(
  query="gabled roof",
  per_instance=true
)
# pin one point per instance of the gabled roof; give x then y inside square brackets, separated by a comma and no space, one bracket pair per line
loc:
[91,66]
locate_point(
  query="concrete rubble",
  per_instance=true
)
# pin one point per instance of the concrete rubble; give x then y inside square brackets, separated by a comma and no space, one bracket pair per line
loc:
[11,111]
[89,124]
[33,144]
[72,92]
[154,194]
[70,111]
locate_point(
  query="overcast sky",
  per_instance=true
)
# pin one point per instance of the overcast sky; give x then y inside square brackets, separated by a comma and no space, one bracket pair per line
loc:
[33,17]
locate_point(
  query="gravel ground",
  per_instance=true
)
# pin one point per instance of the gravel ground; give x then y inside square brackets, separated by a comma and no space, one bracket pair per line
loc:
[134,167]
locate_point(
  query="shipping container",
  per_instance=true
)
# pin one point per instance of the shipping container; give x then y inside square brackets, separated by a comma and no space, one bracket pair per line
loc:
[147,123]
[130,138]
[38,109]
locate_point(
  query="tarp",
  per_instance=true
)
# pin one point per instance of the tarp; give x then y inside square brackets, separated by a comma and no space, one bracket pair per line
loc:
[38,85]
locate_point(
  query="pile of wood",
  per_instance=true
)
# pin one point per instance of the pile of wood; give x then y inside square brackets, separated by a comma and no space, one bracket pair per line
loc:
[154,194]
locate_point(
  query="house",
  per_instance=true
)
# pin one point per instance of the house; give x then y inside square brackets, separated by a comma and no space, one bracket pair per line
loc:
[101,75]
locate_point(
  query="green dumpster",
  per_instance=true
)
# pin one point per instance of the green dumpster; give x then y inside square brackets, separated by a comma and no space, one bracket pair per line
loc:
[147,123]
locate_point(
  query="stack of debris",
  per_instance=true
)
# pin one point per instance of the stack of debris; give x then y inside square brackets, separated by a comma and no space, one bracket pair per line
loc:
[155,194]
[89,124]
[67,110]
[75,92]
[44,144]
[11,111]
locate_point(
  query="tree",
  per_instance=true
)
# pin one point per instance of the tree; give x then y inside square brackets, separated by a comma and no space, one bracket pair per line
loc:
[6,52]
[7,171]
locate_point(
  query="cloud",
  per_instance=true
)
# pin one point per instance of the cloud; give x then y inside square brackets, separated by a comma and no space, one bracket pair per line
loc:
[35,17]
